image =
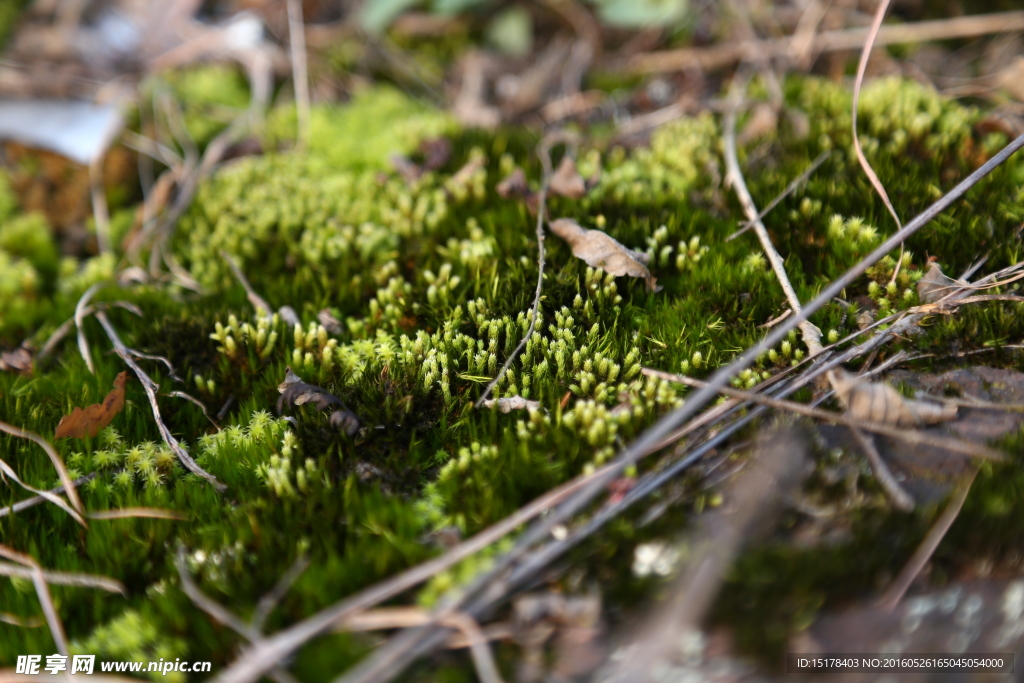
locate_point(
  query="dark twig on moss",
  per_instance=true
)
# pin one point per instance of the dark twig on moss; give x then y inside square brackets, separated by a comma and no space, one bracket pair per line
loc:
[151,387]
[544,152]
[898,496]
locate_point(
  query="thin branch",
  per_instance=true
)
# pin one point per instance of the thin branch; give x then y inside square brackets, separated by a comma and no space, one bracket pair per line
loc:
[269,601]
[150,386]
[911,436]
[790,189]
[899,498]
[57,336]
[257,661]
[258,302]
[544,152]
[196,401]
[83,342]
[219,613]
[841,40]
[928,546]
[300,72]
[408,617]
[811,334]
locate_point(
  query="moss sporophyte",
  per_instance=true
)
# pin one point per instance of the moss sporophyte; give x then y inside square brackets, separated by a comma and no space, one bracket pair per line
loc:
[430,283]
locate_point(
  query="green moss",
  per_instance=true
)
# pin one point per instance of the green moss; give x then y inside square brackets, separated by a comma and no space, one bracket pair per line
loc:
[432,283]
[364,133]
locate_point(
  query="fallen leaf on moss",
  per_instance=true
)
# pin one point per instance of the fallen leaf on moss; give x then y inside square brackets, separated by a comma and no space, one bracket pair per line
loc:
[88,421]
[506,405]
[295,392]
[880,403]
[515,187]
[935,285]
[567,181]
[600,250]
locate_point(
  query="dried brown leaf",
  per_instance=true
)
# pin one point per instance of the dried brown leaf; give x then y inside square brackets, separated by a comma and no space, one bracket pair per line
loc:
[880,403]
[567,181]
[515,187]
[295,392]
[506,405]
[88,421]
[600,250]
[935,285]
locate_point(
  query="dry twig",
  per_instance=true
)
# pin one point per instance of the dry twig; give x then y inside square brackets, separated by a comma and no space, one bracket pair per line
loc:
[151,387]
[811,334]
[924,551]
[910,436]
[841,40]
[544,152]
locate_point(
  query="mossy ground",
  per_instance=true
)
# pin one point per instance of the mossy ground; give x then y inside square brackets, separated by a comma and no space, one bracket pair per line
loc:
[433,282]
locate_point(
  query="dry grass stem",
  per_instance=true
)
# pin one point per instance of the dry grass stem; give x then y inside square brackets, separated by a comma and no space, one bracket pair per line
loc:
[36,500]
[65,578]
[43,593]
[924,552]
[125,513]
[58,464]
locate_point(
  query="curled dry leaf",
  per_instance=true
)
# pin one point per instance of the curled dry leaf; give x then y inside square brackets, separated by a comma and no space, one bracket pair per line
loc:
[600,250]
[567,181]
[83,422]
[935,285]
[880,403]
[506,405]
[295,392]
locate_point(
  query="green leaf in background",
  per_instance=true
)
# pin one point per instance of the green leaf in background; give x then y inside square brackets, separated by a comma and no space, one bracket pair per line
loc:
[512,32]
[377,15]
[640,13]
[453,7]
